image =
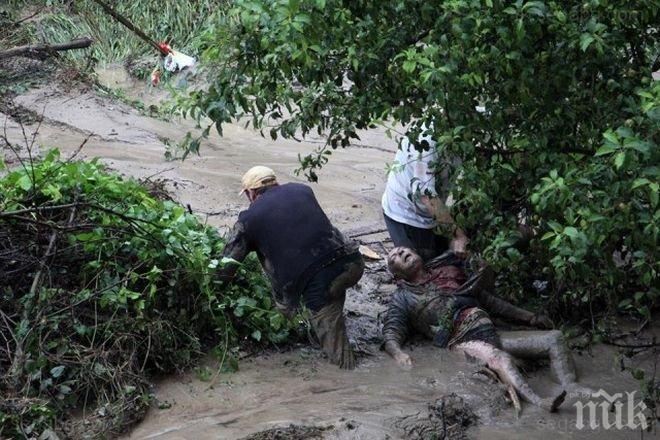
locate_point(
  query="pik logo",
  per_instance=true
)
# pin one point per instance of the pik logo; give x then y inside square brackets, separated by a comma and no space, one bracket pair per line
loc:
[610,412]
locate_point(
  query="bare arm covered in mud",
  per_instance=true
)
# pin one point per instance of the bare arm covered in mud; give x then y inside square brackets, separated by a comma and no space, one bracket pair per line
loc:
[396,328]
[237,249]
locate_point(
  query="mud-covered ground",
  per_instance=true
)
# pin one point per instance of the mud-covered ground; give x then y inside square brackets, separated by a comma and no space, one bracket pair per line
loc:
[296,394]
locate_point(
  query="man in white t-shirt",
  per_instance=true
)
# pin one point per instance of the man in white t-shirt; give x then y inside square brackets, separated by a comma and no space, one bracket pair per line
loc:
[412,206]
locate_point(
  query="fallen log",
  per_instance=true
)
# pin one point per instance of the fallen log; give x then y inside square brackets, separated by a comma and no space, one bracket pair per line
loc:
[45,49]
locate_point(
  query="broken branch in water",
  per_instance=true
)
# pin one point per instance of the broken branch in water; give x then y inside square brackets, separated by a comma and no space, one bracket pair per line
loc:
[45,49]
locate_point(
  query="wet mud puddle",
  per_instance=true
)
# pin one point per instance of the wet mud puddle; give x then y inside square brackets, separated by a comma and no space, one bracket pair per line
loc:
[376,401]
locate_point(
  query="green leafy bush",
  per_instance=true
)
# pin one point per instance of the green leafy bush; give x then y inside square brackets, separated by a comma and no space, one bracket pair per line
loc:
[549,106]
[103,286]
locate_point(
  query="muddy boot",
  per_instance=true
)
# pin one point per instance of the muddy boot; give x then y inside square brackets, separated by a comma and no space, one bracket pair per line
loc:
[552,404]
[330,328]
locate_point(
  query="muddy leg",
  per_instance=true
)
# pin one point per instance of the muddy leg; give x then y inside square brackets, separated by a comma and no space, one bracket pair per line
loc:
[502,363]
[562,364]
[527,344]
[547,344]
[328,320]
[330,328]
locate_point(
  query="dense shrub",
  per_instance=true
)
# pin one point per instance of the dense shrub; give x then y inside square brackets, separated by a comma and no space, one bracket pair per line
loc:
[104,285]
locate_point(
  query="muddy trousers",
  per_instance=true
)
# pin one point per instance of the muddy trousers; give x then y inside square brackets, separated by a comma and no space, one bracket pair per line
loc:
[324,296]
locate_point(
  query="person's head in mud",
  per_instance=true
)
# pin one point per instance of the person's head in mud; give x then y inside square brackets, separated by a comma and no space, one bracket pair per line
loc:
[404,263]
[255,180]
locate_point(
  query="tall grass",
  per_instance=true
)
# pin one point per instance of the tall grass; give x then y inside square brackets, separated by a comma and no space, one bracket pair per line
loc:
[178,22]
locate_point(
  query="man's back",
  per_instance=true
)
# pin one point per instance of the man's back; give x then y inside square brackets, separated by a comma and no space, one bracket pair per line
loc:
[292,236]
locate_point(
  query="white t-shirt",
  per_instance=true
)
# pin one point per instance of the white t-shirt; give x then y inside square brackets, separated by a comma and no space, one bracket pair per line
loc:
[412,177]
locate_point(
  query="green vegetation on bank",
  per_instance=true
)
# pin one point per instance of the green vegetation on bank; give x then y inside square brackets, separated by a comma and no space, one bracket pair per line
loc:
[103,286]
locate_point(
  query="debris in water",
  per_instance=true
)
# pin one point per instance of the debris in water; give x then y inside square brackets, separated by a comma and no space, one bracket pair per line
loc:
[367,252]
[291,432]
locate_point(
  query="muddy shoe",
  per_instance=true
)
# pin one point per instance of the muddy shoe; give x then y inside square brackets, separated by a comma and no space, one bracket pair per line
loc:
[552,404]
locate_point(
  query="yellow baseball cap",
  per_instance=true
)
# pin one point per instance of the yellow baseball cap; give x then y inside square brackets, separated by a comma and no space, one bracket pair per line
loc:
[257,177]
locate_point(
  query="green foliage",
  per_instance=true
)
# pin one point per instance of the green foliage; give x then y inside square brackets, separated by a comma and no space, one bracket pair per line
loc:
[126,291]
[549,106]
[33,417]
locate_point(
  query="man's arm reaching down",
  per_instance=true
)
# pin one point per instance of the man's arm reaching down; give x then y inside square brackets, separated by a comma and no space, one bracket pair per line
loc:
[236,249]
[442,215]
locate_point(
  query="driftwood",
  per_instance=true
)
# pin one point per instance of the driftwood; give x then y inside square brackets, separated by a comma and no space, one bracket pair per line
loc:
[45,49]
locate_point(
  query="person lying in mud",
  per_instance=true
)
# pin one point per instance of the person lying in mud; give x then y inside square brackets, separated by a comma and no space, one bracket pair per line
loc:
[307,259]
[438,301]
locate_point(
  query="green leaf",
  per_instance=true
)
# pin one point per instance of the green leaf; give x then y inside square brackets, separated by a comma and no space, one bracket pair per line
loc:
[605,149]
[611,136]
[508,167]
[409,66]
[556,227]
[640,182]
[619,159]
[25,182]
[585,41]
[57,371]
[548,235]
[641,146]
[571,231]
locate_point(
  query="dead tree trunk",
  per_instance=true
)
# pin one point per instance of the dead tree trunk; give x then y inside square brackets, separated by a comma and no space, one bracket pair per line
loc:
[37,50]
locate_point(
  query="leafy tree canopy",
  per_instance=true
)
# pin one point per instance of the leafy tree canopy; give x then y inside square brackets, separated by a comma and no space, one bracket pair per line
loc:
[565,140]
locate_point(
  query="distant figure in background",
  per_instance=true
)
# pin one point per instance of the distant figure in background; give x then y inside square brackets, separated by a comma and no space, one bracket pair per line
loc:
[412,206]
[307,259]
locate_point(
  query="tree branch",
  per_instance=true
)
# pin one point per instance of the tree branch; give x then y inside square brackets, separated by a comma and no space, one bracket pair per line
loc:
[45,49]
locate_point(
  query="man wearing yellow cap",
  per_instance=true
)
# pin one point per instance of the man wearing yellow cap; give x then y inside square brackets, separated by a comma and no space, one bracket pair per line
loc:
[307,259]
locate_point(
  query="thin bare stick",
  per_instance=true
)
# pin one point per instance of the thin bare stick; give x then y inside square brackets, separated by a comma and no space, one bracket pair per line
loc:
[80,147]
[39,209]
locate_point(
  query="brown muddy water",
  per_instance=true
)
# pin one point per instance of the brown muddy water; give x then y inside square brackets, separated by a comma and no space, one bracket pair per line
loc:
[296,394]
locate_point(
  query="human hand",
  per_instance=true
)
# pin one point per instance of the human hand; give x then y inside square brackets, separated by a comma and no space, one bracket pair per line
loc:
[403,359]
[542,321]
[459,246]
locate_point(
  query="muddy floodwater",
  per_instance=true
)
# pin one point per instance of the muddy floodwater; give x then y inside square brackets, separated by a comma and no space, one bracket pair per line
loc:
[295,393]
